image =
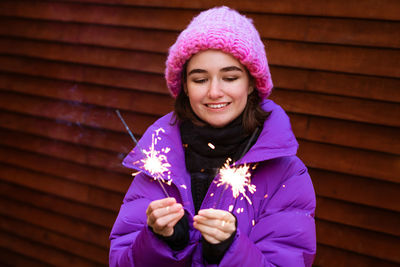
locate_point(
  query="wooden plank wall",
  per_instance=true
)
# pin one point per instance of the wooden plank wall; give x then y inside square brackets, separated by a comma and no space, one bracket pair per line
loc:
[65,66]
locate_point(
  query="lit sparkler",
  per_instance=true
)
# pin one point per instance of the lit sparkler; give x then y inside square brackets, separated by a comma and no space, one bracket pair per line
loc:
[154,161]
[238,178]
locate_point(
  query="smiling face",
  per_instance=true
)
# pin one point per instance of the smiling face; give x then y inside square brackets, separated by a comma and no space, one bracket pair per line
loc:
[217,86]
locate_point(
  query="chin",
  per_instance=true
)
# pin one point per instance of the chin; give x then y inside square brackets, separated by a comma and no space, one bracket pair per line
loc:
[219,124]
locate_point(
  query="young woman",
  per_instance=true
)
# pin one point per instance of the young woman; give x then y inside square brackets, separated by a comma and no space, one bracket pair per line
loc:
[218,72]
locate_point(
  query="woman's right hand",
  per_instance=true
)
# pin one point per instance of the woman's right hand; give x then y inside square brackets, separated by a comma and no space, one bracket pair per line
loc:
[163,214]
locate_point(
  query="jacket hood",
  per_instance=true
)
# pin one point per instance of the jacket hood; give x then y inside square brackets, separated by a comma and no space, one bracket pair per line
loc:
[275,140]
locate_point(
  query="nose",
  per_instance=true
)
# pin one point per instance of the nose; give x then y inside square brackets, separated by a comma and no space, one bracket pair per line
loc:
[215,90]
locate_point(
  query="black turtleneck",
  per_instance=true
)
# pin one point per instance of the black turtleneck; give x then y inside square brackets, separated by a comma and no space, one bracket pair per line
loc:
[207,149]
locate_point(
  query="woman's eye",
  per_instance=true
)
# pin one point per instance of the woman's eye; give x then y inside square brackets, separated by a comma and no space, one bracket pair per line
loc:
[230,79]
[200,80]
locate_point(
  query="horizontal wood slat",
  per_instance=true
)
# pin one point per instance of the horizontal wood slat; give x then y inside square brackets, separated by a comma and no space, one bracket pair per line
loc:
[84,73]
[23,191]
[106,160]
[355,60]
[359,240]
[372,9]
[141,102]
[328,256]
[96,179]
[11,258]
[119,37]
[58,223]
[350,161]
[47,254]
[347,108]
[98,56]
[310,29]
[66,131]
[138,17]
[361,86]
[361,190]
[346,133]
[51,184]
[54,240]
[73,112]
[358,216]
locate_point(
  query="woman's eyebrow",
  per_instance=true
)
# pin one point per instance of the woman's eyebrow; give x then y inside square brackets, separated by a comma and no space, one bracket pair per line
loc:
[225,69]
[196,71]
[231,68]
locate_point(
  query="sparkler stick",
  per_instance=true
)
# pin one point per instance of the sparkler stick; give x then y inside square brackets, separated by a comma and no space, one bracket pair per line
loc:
[128,130]
[249,143]
[141,150]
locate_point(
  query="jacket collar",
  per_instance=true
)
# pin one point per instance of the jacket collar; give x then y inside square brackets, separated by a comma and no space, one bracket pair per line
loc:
[276,138]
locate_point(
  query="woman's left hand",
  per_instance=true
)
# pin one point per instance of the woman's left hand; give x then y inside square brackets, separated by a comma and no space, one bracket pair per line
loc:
[215,225]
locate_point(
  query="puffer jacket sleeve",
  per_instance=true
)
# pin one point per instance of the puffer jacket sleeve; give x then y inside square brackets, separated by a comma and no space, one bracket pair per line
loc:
[132,242]
[284,231]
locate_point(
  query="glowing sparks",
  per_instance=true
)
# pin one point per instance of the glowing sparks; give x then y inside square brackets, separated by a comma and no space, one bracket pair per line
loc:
[135,173]
[230,208]
[253,222]
[184,186]
[211,146]
[155,161]
[239,210]
[238,178]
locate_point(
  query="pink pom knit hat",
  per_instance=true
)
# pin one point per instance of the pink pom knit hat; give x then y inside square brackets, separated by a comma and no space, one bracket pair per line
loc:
[224,29]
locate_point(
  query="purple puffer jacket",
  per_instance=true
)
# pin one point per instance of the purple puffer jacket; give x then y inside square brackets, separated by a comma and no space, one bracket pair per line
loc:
[277,229]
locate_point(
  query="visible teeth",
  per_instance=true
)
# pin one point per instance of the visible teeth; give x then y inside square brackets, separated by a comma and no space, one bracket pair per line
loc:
[217,105]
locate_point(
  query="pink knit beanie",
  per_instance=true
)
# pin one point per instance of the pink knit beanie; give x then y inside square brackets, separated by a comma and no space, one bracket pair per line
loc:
[224,29]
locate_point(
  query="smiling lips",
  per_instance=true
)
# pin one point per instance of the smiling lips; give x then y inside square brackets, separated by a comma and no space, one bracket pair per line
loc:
[217,106]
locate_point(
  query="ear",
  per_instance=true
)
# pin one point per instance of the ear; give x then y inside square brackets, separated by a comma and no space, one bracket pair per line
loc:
[184,87]
[251,85]
[251,89]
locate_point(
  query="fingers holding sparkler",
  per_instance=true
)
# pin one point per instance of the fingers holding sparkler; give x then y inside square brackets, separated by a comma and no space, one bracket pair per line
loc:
[163,214]
[215,225]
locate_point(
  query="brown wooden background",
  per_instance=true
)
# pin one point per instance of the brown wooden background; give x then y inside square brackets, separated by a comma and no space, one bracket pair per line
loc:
[65,66]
